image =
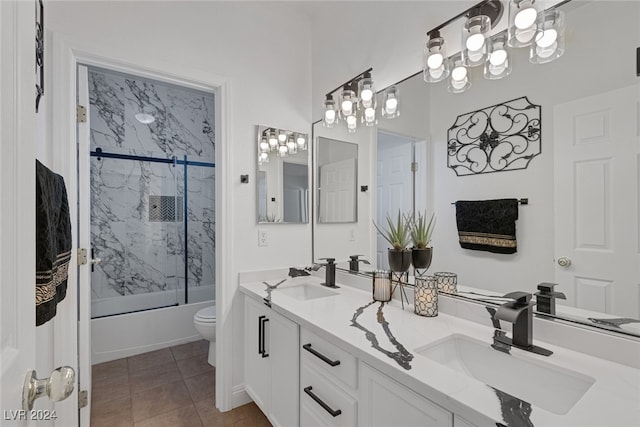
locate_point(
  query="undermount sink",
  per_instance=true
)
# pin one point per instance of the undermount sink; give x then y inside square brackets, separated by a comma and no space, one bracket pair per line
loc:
[541,384]
[306,291]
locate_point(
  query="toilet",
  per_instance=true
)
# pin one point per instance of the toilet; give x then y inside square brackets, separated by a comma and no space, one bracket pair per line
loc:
[205,322]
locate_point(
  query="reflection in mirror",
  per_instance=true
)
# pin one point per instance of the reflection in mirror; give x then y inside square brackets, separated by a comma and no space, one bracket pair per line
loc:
[337,180]
[583,189]
[283,176]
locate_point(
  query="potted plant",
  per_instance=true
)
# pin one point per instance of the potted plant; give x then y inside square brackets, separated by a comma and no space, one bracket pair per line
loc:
[421,232]
[398,237]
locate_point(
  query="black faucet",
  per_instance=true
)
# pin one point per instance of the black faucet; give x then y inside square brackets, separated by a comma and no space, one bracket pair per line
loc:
[330,273]
[520,313]
[546,298]
[354,263]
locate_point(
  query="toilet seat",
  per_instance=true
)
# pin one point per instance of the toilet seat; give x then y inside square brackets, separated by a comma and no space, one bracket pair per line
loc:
[207,314]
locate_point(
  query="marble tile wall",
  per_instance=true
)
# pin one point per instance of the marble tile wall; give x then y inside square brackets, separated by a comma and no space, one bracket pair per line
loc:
[138,255]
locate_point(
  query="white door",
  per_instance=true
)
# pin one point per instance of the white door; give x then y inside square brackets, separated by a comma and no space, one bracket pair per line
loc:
[395,186]
[17,208]
[597,153]
[338,191]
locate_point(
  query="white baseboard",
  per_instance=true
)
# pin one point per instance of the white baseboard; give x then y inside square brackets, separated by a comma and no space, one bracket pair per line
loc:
[239,396]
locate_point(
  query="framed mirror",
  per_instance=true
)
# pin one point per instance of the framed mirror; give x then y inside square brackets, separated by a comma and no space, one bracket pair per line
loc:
[283,176]
[583,206]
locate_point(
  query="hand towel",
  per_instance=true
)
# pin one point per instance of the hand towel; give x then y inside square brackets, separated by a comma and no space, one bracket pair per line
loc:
[53,242]
[488,225]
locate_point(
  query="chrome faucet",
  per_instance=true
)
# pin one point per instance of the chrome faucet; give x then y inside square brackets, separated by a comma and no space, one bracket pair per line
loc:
[519,313]
[354,263]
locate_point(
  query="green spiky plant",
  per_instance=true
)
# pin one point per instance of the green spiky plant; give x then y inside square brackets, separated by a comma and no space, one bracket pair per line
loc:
[397,234]
[421,231]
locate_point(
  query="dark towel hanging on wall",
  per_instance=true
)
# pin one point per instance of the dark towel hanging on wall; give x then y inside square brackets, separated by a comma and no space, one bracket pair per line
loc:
[53,242]
[488,225]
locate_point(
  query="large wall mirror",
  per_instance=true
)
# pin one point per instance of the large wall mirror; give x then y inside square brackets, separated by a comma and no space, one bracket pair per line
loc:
[283,176]
[583,189]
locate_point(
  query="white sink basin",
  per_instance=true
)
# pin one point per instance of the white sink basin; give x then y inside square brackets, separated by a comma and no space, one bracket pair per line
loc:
[539,383]
[306,291]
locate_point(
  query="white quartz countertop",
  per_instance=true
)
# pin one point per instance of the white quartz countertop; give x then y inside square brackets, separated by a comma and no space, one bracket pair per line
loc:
[386,337]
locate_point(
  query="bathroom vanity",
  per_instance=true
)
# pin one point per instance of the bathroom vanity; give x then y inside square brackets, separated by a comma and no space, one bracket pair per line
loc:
[336,357]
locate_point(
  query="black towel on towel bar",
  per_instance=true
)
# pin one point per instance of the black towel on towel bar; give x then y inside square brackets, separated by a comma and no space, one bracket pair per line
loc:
[53,242]
[488,225]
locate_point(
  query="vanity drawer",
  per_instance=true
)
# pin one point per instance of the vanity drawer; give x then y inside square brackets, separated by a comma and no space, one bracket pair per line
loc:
[323,403]
[329,358]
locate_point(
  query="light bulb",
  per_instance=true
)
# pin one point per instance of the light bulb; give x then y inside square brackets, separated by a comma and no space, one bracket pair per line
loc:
[300,140]
[366,95]
[282,137]
[458,84]
[264,156]
[525,18]
[346,106]
[351,120]
[498,57]
[475,42]
[547,38]
[330,116]
[459,74]
[435,61]
[282,150]
[273,140]
[264,145]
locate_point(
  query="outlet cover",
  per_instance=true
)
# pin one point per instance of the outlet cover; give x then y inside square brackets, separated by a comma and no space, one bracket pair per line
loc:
[263,237]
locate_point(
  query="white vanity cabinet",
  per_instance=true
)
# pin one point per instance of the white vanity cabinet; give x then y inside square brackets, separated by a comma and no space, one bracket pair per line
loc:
[272,363]
[385,402]
[328,383]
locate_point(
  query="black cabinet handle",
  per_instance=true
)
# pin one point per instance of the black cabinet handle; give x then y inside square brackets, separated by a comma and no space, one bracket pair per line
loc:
[321,403]
[320,356]
[261,336]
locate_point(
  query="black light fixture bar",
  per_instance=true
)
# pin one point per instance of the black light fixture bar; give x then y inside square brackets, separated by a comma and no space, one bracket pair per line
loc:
[468,11]
[350,81]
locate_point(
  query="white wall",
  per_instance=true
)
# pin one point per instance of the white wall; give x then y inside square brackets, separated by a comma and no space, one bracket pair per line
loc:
[269,70]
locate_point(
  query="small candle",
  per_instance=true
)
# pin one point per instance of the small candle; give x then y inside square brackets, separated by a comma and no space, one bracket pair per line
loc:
[382,286]
[447,282]
[426,296]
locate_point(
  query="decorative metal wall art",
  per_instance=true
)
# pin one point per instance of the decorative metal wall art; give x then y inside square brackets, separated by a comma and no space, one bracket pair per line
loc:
[39,52]
[502,137]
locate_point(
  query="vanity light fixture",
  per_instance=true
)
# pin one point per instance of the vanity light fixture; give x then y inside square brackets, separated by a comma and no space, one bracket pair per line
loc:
[475,39]
[529,25]
[436,63]
[358,103]
[498,65]
[523,22]
[549,43]
[390,107]
[459,81]
[281,142]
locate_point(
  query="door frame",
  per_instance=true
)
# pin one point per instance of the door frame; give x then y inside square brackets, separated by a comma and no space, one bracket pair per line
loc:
[67,54]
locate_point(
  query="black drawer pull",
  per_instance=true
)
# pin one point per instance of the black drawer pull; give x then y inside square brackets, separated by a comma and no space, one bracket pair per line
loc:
[322,357]
[321,403]
[261,336]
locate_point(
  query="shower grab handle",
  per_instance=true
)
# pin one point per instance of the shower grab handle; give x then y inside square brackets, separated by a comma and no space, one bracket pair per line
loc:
[261,336]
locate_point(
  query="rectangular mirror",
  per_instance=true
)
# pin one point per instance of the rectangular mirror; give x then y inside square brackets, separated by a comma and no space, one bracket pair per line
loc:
[602,282]
[337,181]
[283,176]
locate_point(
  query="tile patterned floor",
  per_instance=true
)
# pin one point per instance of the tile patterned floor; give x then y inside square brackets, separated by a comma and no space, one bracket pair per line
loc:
[172,387]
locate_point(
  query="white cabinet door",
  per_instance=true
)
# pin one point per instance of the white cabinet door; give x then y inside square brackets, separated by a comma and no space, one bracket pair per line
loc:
[256,367]
[271,363]
[384,402]
[282,347]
